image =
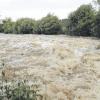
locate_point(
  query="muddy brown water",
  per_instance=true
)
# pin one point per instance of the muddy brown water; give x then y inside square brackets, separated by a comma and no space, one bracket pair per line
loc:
[67,68]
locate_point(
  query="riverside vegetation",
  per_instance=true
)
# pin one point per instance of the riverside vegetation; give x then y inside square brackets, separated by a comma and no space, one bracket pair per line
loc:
[85,21]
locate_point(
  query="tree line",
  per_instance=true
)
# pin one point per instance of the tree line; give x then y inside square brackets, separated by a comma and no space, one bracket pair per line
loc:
[85,21]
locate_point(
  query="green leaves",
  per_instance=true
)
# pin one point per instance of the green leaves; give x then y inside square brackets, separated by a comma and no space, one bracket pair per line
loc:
[81,20]
[8,25]
[24,26]
[49,25]
[96,25]
[19,91]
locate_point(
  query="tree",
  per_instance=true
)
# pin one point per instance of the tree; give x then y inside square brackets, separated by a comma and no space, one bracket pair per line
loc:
[1,27]
[37,29]
[80,21]
[49,25]
[96,25]
[24,26]
[8,25]
[97,2]
[64,23]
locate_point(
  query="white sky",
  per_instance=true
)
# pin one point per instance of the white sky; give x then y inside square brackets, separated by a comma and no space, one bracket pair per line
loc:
[38,8]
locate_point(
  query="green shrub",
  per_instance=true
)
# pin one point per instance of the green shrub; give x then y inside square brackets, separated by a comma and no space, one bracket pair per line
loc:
[19,90]
[49,25]
[24,26]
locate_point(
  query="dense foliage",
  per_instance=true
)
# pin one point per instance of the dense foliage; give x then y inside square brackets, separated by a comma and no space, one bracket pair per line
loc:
[24,26]
[96,25]
[80,21]
[19,91]
[64,24]
[49,25]
[85,21]
[1,28]
[8,25]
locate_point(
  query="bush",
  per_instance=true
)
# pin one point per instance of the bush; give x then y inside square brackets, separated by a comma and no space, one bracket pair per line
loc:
[49,25]
[18,89]
[24,26]
[80,21]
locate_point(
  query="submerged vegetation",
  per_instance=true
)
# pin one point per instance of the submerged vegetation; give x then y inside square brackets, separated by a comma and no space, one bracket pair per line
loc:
[18,91]
[12,89]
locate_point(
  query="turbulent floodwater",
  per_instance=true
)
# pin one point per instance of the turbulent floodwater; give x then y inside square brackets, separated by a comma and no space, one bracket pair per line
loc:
[66,68]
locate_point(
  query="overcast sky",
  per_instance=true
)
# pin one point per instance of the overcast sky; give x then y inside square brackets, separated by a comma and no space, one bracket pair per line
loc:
[38,8]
